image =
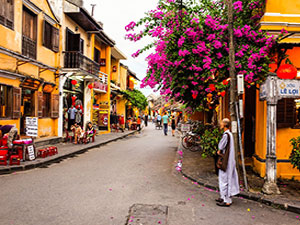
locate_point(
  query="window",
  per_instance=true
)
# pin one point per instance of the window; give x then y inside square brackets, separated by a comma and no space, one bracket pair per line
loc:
[286,113]
[29,33]
[97,55]
[46,104]
[51,37]
[5,101]
[7,13]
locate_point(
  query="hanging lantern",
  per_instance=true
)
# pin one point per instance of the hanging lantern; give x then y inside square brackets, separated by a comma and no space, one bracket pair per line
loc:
[287,71]
[90,86]
[74,82]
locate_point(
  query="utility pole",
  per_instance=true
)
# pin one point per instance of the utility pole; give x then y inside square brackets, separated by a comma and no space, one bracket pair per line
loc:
[93,8]
[233,80]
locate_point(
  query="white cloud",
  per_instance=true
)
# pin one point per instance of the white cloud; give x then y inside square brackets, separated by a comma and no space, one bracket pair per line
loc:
[115,15]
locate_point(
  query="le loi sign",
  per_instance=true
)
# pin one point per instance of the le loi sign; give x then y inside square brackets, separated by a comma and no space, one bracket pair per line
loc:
[288,88]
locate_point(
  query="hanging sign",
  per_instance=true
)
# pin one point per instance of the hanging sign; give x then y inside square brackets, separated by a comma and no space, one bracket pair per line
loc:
[31,126]
[288,88]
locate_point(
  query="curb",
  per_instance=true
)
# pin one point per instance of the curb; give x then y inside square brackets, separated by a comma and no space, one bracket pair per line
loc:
[54,159]
[247,195]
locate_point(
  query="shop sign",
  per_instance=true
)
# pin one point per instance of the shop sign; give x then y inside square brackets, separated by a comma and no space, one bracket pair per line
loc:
[31,126]
[31,153]
[104,105]
[100,87]
[102,62]
[185,127]
[288,88]
[103,118]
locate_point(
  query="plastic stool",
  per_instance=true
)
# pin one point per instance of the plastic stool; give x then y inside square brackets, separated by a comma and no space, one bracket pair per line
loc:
[14,160]
[42,153]
[3,160]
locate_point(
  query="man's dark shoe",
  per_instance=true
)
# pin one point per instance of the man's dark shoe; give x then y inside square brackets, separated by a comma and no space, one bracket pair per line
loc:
[223,204]
[219,200]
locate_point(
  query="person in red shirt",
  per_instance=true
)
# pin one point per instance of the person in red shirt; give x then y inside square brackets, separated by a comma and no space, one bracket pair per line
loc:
[122,123]
[139,122]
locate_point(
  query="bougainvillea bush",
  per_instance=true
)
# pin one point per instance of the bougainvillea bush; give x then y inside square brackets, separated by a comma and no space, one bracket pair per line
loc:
[190,57]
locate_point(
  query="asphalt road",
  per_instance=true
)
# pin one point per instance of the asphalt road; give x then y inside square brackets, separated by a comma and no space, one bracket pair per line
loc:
[100,186]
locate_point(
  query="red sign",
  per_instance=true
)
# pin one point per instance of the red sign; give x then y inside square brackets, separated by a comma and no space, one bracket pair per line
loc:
[102,62]
[100,86]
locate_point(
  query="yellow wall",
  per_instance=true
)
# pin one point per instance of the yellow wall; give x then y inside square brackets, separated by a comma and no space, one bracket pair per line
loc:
[12,40]
[283,148]
[278,11]
[279,15]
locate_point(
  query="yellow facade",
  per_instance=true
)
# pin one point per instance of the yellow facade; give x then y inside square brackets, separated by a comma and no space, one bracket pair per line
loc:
[11,40]
[279,15]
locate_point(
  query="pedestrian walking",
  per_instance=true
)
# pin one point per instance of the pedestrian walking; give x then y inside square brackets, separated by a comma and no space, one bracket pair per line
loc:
[139,122]
[122,122]
[173,124]
[159,120]
[165,119]
[146,120]
[228,176]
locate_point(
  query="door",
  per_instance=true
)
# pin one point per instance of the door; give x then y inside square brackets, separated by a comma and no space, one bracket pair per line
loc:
[250,118]
[73,42]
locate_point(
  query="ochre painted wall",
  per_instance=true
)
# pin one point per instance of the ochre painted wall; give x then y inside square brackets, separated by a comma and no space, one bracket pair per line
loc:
[12,40]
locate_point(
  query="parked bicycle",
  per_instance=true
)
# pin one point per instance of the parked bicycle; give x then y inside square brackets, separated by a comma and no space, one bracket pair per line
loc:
[191,135]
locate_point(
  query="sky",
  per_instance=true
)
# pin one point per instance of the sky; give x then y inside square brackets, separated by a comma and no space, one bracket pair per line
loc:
[115,15]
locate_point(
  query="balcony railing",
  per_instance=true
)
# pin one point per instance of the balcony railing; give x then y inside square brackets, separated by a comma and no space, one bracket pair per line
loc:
[28,47]
[76,60]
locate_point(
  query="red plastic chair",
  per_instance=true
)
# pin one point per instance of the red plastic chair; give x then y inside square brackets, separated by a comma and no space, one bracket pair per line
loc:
[14,160]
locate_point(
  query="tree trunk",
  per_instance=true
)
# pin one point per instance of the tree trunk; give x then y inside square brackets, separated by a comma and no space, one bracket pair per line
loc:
[233,79]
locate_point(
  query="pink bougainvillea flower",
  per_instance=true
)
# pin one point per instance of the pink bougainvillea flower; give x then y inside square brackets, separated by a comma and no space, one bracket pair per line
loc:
[238,6]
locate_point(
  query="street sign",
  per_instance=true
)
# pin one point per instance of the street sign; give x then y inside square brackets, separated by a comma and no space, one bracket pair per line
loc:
[31,126]
[263,92]
[288,88]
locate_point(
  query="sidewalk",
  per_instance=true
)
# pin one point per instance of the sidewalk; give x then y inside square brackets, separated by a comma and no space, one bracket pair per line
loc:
[202,171]
[65,150]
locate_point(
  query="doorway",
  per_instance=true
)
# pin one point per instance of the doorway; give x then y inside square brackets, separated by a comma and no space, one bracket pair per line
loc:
[28,100]
[250,118]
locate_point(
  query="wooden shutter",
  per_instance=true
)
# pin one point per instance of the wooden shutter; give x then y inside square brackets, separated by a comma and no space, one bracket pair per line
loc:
[16,109]
[2,12]
[40,102]
[10,14]
[54,112]
[286,113]
[55,39]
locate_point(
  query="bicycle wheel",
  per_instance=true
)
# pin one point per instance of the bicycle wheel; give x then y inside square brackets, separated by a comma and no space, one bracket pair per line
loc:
[195,144]
[186,141]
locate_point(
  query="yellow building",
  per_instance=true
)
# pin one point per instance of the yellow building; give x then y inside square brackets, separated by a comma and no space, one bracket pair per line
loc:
[84,67]
[280,15]
[29,59]
[118,83]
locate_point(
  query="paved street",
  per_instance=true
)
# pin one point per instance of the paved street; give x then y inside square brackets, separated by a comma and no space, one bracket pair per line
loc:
[100,186]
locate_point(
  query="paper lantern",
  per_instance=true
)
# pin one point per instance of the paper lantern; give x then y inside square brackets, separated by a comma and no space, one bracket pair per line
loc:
[287,71]
[74,82]
[90,86]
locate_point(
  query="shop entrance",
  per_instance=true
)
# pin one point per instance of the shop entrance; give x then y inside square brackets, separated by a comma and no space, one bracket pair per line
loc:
[28,104]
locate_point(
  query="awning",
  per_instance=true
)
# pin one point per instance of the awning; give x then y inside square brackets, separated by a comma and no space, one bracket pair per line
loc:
[81,17]
[11,75]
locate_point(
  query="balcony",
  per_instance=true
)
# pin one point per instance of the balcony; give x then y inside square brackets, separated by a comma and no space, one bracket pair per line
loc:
[76,60]
[28,47]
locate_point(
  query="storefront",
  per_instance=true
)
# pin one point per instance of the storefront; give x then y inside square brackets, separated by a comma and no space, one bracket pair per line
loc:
[73,96]
[100,106]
